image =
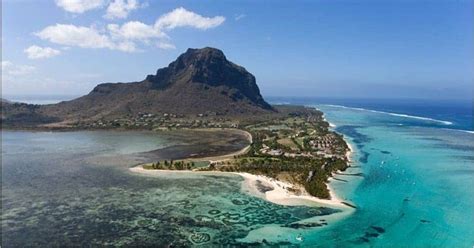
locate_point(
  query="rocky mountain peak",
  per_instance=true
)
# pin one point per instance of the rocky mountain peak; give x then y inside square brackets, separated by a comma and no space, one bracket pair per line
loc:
[209,66]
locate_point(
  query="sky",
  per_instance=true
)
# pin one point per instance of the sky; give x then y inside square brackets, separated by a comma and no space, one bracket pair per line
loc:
[357,49]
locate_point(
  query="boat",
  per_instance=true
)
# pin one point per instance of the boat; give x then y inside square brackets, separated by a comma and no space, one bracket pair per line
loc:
[299,237]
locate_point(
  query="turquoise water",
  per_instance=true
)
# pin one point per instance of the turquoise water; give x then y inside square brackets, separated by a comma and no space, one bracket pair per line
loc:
[416,188]
[412,181]
[418,183]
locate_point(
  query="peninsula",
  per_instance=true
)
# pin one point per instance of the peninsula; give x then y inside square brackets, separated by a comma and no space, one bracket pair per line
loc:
[204,90]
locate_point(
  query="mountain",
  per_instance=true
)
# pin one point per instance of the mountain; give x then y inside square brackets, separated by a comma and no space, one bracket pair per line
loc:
[199,81]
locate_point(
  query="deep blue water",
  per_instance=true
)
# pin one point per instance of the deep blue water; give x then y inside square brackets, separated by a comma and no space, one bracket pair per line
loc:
[459,113]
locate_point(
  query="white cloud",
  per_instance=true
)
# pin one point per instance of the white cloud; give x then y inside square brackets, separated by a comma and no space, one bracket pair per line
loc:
[127,36]
[36,52]
[181,17]
[119,9]
[11,69]
[6,64]
[85,37]
[70,35]
[134,31]
[165,45]
[126,46]
[79,6]
[238,17]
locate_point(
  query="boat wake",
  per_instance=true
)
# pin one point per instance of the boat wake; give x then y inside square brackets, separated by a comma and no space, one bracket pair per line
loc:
[394,114]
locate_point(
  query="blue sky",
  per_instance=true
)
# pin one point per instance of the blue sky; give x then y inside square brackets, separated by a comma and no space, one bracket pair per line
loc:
[367,49]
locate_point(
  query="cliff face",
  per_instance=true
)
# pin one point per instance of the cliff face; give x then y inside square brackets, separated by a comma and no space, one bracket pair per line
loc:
[209,66]
[199,81]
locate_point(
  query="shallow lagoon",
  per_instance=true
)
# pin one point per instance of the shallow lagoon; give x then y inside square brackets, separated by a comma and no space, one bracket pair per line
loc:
[411,181]
[74,188]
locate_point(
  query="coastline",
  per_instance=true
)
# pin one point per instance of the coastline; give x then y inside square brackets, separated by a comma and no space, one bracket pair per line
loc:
[281,195]
[279,192]
[331,125]
[350,152]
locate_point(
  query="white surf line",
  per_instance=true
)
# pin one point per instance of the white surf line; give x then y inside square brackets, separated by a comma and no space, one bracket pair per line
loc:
[331,125]
[393,114]
[459,130]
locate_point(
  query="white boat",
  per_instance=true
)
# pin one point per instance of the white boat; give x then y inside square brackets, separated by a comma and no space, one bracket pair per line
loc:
[299,237]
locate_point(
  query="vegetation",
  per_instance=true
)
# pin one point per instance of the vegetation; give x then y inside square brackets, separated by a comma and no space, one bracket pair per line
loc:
[298,148]
[171,165]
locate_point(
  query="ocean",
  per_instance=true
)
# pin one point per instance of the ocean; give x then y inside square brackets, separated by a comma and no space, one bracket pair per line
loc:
[412,181]
[458,114]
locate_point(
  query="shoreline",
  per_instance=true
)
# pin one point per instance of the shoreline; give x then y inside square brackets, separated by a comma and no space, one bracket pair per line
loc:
[279,194]
[331,125]
[282,196]
[350,152]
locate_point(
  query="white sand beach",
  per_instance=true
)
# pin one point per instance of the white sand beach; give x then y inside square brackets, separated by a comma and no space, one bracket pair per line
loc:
[350,152]
[282,195]
[280,192]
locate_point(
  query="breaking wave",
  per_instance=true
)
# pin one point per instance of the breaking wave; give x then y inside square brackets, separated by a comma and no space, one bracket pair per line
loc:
[395,114]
